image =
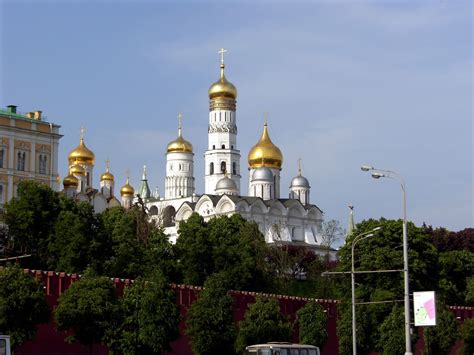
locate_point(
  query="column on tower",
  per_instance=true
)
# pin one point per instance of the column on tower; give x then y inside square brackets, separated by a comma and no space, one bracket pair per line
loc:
[179,180]
[222,155]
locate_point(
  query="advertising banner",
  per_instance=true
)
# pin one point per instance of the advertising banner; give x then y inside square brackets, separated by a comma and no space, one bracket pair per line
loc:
[424,306]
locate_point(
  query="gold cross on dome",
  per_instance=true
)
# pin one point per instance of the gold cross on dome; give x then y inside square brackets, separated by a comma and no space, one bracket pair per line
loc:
[82,132]
[265,118]
[299,166]
[127,172]
[221,52]
[180,119]
[107,163]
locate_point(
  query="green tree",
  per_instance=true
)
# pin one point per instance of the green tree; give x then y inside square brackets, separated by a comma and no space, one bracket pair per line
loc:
[455,268]
[30,218]
[22,305]
[128,249]
[149,317]
[381,252]
[470,292]
[72,238]
[312,322]
[440,338]
[224,244]
[210,324]
[263,323]
[467,335]
[87,308]
[392,333]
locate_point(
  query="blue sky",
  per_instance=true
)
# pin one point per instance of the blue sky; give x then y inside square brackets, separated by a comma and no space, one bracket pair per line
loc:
[344,84]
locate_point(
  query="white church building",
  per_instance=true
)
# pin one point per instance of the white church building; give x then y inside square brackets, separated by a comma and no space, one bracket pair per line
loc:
[292,219]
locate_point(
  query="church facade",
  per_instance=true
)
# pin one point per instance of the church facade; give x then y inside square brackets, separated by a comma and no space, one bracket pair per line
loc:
[292,219]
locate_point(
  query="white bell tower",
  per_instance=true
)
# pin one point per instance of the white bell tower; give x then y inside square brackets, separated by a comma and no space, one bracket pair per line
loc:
[222,155]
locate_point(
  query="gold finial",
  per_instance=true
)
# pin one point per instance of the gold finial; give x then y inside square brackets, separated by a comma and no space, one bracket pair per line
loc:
[144,172]
[265,118]
[107,164]
[82,133]
[127,173]
[299,166]
[221,52]
[180,118]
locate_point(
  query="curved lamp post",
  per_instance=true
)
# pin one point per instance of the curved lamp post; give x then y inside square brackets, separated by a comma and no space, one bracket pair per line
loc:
[358,238]
[377,174]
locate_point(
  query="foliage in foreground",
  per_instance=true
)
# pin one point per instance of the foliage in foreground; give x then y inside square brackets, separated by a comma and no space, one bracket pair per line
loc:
[263,323]
[210,322]
[440,338]
[87,309]
[312,321]
[148,319]
[22,305]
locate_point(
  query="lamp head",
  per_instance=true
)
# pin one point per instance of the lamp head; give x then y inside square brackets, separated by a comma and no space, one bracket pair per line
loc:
[377,175]
[366,168]
[376,229]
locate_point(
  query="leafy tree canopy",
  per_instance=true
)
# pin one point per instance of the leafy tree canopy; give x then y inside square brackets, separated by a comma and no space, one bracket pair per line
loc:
[148,319]
[87,308]
[22,305]
[312,322]
[210,322]
[263,323]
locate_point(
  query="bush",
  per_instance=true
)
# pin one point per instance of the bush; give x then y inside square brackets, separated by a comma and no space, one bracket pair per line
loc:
[440,338]
[263,323]
[467,335]
[312,321]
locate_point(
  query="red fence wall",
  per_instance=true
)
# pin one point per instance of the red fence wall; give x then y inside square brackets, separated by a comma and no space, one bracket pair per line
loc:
[51,342]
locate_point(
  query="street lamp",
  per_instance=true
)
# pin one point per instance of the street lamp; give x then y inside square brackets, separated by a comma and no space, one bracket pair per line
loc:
[358,238]
[377,174]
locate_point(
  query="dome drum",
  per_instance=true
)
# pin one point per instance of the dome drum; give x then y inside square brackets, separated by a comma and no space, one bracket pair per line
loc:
[221,104]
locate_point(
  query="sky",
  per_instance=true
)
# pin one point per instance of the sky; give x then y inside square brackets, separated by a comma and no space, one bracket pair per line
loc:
[344,83]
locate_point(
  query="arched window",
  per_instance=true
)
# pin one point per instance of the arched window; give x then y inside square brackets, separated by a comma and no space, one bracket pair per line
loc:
[234,168]
[23,161]
[211,168]
[223,167]
[2,153]
[18,161]
[42,164]
[223,146]
[213,146]
[1,194]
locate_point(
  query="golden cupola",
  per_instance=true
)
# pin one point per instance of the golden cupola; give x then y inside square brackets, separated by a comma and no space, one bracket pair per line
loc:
[265,153]
[70,181]
[222,88]
[179,145]
[107,175]
[127,189]
[77,169]
[81,154]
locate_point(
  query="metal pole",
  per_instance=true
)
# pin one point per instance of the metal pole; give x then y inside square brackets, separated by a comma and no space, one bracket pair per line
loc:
[405,267]
[354,329]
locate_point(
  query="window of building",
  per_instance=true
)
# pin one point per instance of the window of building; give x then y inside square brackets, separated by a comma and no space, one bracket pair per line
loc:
[1,194]
[234,168]
[42,164]
[21,161]
[213,147]
[211,169]
[223,146]
[2,154]
[223,167]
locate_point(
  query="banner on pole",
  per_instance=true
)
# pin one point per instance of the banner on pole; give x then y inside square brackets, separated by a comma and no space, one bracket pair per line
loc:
[424,306]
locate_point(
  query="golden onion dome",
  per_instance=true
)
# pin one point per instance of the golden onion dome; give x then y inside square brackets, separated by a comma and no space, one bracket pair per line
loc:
[107,175]
[77,169]
[70,180]
[179,145]
[265,153]
[222,88]
[127,189]
[81,154]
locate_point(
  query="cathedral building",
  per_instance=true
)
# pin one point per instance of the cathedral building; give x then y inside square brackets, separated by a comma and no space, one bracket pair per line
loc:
[292,220]
[28,151]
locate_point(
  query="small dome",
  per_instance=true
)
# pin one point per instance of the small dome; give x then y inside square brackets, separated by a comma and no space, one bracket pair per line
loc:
[127,189]
[265,153]
[262,174]
[227,184]
[299,181]
[179,145]
[81,154]
[70,181]
[222,88]
[107,176]
[77,169]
